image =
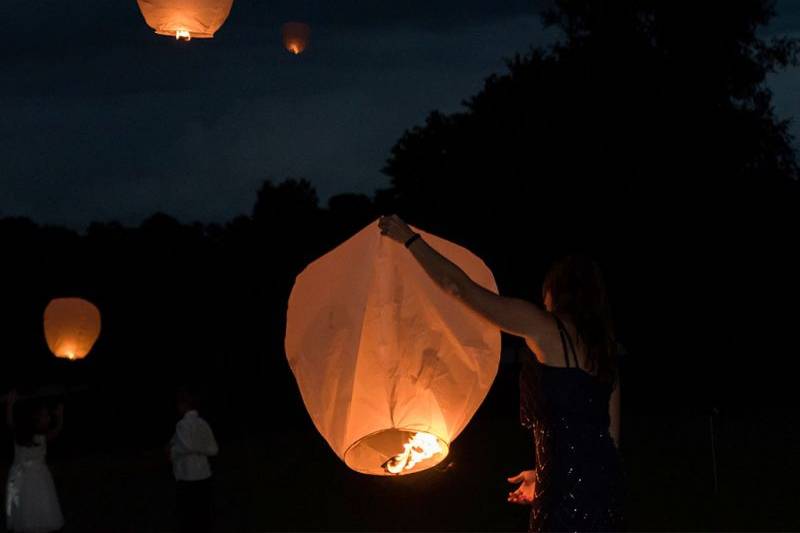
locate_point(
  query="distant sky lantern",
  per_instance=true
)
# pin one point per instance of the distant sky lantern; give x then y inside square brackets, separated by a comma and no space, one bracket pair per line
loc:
[185,19]
[296,36]
[71,327]
[390,367]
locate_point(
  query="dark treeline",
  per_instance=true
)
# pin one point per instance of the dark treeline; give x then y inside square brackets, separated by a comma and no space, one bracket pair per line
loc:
[645,137]
[203,304]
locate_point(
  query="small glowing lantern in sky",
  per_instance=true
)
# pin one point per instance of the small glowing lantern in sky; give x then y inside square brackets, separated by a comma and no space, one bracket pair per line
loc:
[71,327]
[185,19]
[390,367]
[296,36]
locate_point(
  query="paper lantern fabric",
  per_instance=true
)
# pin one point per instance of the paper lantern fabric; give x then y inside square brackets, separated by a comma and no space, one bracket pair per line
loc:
[296,36]
[380,352]
[185,19]
[71,327]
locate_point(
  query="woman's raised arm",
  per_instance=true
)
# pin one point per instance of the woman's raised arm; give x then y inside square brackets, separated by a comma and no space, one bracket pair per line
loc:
[511,315]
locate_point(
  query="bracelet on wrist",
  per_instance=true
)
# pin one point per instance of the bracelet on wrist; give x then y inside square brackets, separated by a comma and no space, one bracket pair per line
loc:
[413,239]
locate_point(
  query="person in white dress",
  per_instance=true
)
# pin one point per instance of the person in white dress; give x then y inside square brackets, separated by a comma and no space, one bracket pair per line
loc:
[31,501]
[191,446]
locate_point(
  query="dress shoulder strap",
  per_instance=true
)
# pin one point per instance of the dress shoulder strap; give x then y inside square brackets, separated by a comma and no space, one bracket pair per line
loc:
[566,340]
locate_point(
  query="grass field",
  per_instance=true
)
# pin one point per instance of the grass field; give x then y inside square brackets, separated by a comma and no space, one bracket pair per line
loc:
[290,481]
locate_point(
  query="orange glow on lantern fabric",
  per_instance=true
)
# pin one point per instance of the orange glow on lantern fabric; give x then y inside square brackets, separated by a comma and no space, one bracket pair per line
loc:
[383,356]
[185,19]
[71,327]
[296,36]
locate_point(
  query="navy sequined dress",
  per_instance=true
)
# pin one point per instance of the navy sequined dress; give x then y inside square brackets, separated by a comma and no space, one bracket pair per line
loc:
[578,473]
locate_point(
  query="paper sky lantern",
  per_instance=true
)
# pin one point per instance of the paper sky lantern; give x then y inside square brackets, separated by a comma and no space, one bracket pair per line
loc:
[71,327]
[390,367]
[185,19]
[296,36]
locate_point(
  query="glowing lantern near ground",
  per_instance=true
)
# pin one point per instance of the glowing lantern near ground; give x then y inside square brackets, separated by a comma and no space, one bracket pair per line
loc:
[71,327]
[296,36]
[390,367]
[185,19]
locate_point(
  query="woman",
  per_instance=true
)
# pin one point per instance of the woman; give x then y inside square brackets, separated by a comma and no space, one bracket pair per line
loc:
[569,390]
[31,500]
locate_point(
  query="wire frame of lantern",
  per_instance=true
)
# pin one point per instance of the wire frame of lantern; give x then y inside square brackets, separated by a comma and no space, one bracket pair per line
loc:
[71,327]
[185,19]
[391,368]
[296,37]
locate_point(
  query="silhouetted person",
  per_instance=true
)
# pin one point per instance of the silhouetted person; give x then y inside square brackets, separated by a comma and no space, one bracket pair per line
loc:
[190,448]
[569,393]
[31,500]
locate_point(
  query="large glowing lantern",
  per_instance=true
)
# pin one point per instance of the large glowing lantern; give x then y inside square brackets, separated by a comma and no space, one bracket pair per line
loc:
[71,327]
[390,367]
[185,19]
[296,36]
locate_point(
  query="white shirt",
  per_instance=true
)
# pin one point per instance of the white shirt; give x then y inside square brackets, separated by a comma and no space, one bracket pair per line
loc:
[191,447]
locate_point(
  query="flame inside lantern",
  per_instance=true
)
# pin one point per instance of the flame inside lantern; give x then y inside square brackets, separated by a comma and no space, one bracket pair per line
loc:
[295,47]
[420,447]
[183,34]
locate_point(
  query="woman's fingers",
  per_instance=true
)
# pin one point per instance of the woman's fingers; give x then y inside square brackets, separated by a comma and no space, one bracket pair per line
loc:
[516,500]
[519,478]
[390,227]
[390,220]
[523,495]
[385,224]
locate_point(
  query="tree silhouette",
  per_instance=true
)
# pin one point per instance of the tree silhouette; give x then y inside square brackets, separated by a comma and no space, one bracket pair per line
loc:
[292,199]
[647,137]
[639,97]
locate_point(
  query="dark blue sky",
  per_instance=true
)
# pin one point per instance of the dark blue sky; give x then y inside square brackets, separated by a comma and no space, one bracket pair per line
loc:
[100,119]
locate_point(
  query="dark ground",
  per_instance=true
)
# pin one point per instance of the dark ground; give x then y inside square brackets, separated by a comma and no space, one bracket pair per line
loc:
[279,475]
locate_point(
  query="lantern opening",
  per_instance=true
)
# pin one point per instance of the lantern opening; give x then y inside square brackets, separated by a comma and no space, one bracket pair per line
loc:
[396,452]
[295,48]
[183,34]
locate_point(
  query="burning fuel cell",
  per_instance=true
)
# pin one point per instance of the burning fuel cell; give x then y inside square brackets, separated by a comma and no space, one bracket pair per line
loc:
[420,447]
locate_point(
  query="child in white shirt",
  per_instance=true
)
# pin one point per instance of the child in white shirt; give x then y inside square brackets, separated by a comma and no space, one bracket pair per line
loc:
[189,449]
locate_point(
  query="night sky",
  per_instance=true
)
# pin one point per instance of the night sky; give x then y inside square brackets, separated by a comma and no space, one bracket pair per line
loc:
[101,119]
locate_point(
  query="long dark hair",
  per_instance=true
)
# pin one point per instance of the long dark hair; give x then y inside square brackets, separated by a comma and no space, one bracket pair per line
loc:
[578,291]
